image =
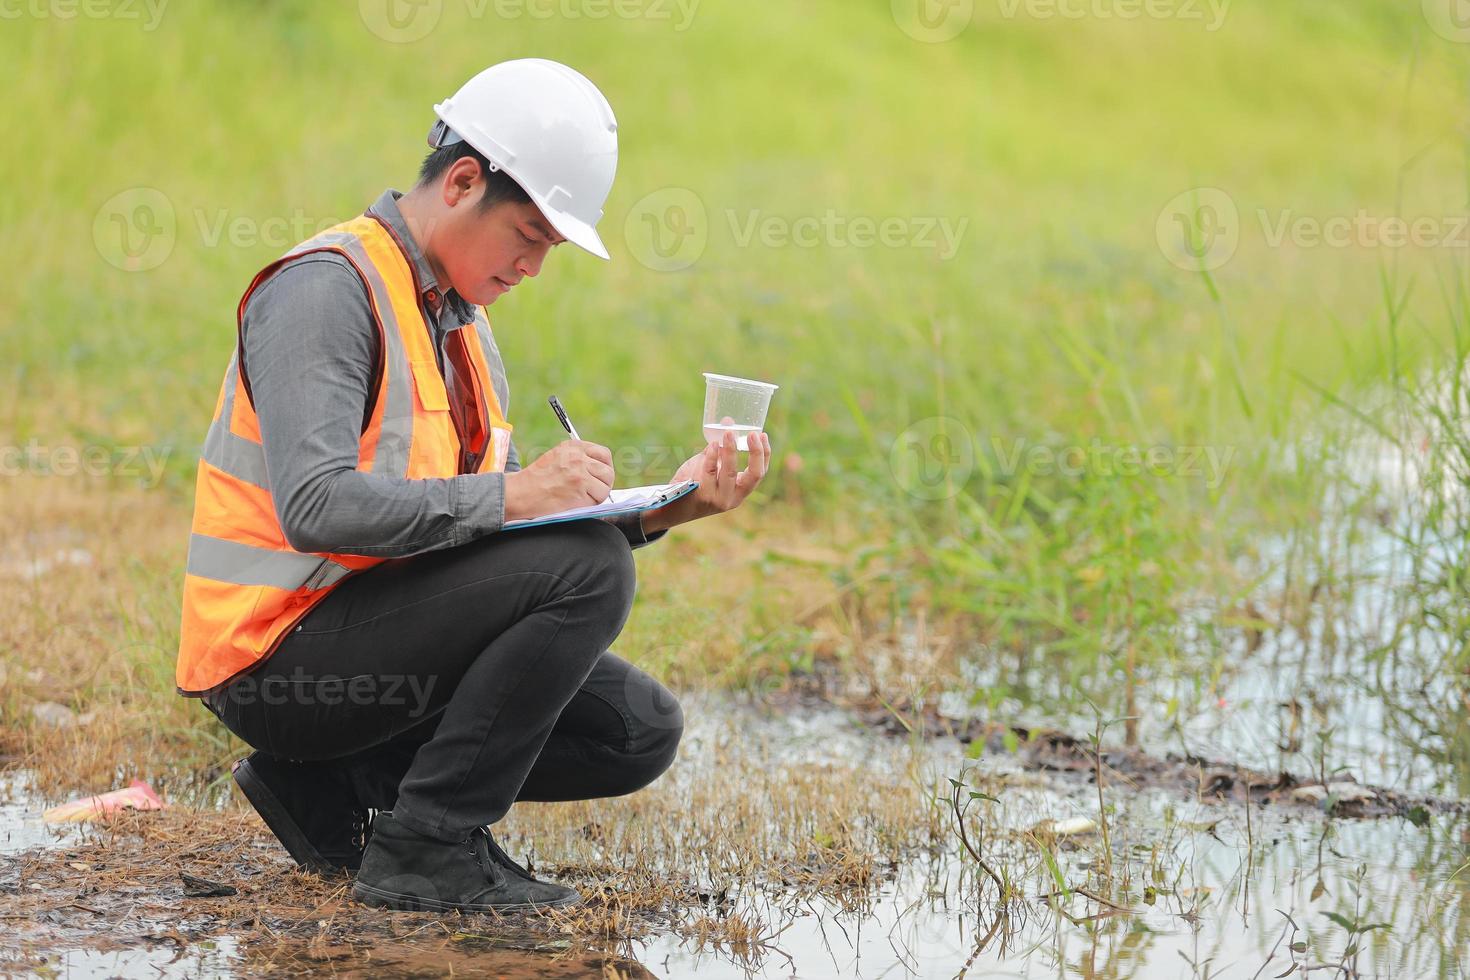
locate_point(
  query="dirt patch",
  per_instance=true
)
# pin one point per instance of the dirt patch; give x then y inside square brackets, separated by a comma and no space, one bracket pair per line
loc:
[796,845]
[753,820]
[177,879]
[1190,776]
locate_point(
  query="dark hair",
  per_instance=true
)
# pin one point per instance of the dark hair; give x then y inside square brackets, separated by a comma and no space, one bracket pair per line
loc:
[499,186]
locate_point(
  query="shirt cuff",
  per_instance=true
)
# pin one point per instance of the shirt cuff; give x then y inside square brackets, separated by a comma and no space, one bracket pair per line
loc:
[478,505]
[632,527]
[479,509]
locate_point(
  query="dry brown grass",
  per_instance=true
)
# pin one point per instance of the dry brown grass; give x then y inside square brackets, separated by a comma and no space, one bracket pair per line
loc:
[712,854]
[89,580]
[121,888]
[90,573]
[89,620]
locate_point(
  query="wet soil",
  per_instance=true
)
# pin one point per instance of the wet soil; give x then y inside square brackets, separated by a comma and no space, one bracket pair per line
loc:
[210,892]
[172,882]
[1190,776]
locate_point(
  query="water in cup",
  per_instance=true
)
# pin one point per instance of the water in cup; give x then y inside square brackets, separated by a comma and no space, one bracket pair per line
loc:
[715,432]
[735,405]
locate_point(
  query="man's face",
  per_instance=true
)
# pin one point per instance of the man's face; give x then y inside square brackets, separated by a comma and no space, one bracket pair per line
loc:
[485,252]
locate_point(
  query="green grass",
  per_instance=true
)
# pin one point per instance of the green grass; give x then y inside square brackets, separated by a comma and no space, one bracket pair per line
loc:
[1059,320]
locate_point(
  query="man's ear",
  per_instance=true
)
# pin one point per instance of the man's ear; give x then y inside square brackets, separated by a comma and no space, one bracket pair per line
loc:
[463,182]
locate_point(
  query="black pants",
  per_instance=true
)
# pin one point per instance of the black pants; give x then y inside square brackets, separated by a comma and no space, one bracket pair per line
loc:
[456,682]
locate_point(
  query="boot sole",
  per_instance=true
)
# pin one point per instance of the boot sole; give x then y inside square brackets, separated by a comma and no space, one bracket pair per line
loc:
[381,898]
[278,819]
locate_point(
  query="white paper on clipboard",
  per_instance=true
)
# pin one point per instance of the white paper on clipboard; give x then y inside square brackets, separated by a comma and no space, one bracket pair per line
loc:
[626,501]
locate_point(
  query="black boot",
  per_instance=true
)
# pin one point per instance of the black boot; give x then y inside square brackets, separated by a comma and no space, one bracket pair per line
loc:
[405,870]
[311,807]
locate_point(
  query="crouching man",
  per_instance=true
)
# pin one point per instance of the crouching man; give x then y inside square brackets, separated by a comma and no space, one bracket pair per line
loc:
[404,669]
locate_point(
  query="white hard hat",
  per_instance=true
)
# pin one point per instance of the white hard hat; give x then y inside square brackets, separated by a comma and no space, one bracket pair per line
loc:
[550,129]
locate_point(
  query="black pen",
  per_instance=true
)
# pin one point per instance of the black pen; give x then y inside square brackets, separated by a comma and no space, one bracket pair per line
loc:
[561,414]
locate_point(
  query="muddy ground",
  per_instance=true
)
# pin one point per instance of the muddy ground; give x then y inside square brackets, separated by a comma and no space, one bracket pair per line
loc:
[208,891]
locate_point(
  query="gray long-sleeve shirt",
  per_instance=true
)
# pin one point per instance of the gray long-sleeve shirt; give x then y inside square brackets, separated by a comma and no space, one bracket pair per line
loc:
[310,347]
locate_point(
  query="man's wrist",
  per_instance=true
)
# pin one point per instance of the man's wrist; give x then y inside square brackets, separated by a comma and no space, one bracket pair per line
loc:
[514,506]
[663,518]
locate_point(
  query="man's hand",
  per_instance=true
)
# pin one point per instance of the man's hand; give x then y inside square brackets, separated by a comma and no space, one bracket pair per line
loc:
[721,486]
[574,474]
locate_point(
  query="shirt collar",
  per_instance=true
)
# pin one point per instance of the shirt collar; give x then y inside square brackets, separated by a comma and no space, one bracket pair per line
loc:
[386,208]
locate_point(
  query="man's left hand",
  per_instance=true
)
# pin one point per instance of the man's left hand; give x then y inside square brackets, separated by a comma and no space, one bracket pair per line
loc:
[722,486]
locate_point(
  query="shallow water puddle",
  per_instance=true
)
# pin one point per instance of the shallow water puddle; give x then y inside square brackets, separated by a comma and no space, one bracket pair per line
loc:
[216,959]
[1194,888]
[1347,686]
[1219,925]
[21,826]
[1203,892]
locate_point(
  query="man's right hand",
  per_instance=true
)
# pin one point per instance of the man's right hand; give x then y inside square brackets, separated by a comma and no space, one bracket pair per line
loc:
[574,474]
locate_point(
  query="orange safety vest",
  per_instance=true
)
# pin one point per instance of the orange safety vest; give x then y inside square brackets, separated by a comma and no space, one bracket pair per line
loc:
[245,587]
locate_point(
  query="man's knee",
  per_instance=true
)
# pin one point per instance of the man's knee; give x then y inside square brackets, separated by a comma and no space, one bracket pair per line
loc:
[665,743]
[658,721]
[604,563]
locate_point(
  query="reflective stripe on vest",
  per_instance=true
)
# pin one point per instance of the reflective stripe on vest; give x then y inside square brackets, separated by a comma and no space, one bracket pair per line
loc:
[240,457]
[243,564]
[244,585]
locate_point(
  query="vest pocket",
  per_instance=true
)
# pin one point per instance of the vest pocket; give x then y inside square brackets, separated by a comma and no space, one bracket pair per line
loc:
[428,384]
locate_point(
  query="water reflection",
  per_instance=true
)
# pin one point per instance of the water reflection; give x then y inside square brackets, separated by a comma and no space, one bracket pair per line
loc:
[1186,888]
[1364,897]
[1348,675]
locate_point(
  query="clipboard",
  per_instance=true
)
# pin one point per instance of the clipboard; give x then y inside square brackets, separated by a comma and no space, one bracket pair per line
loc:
[630,500]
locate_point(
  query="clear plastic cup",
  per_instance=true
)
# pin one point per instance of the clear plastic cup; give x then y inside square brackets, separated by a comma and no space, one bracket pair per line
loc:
[735,405]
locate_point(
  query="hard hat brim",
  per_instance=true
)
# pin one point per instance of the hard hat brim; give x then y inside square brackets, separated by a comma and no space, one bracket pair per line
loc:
[574,230]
